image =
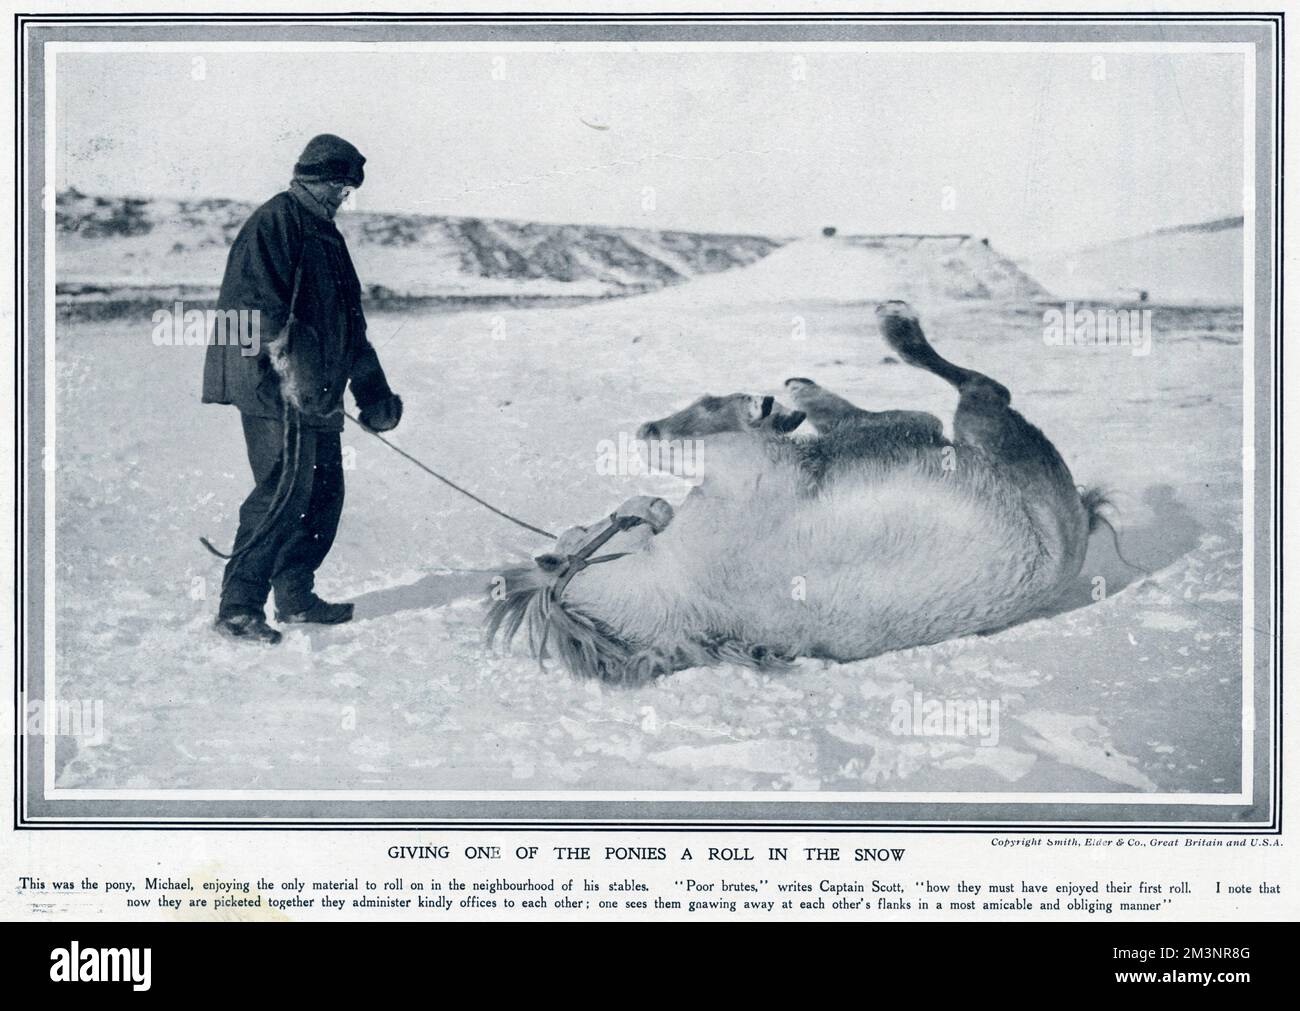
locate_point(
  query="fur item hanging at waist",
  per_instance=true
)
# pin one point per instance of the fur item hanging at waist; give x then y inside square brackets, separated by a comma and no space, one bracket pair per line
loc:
[282,364]
[307,394]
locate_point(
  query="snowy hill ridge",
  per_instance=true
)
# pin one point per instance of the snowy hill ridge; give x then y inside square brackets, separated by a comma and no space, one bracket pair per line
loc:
[117,254]
[1200,227]
[136,244]
[840,269]
[1197,265]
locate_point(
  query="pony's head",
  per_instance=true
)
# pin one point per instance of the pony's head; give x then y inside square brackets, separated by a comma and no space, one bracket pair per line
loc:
[736,412]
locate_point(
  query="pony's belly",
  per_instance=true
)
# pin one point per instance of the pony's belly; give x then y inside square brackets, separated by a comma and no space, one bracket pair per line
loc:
[849,583]
[860,611]
[869,569]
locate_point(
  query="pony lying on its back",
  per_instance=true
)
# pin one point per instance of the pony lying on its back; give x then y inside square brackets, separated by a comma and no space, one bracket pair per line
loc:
[876,535]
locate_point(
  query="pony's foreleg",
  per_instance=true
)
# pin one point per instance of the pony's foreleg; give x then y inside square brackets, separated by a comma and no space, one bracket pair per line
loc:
[823,407]
[648,511]
[827,409]
[651,510]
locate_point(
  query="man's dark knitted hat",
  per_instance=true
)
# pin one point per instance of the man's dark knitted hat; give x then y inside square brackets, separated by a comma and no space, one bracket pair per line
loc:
[330,157]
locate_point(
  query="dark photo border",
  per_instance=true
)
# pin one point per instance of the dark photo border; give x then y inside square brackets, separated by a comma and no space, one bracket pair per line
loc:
[32,810]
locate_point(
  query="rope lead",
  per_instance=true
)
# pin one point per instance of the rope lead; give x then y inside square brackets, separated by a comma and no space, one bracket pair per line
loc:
[290,471]
[449,483]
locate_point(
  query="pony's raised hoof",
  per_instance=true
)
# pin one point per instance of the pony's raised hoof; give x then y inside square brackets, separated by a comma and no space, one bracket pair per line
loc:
[901,328]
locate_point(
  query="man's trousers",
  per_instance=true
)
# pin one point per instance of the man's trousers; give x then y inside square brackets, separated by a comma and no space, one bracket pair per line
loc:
[285,555]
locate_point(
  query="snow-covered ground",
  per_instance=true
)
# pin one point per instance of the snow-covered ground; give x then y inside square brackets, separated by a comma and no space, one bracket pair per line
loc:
[1138,691]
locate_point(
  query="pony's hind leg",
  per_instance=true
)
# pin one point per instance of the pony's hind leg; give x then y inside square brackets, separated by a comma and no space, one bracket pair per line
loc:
[984,417]
[1029,469]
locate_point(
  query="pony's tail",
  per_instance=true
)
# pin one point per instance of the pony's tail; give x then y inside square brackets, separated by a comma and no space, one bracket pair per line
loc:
[1095,501]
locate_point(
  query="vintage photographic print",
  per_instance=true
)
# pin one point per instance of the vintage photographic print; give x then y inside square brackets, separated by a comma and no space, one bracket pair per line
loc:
[649,423]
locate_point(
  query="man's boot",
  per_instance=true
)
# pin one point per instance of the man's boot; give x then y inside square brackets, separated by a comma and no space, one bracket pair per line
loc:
[314,611]
[240,623]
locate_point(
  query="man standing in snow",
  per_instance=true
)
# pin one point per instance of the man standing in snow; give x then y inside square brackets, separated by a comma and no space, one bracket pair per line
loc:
[290,263]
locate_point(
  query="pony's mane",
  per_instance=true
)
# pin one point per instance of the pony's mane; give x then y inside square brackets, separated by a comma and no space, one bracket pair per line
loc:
[585,645]
[588,647]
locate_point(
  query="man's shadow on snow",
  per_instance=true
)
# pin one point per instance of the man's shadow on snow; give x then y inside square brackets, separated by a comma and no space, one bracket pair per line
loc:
[1171,533]
[433,590]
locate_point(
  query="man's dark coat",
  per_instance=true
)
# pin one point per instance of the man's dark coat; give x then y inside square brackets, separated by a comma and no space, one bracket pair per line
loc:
[285,235]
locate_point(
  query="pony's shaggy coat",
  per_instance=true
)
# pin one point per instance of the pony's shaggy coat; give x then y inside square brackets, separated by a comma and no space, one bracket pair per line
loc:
[875,535]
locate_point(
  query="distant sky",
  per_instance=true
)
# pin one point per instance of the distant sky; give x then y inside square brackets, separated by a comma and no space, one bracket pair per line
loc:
[1029,149]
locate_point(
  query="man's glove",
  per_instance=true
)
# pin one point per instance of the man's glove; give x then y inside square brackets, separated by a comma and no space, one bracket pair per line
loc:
[383,416]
